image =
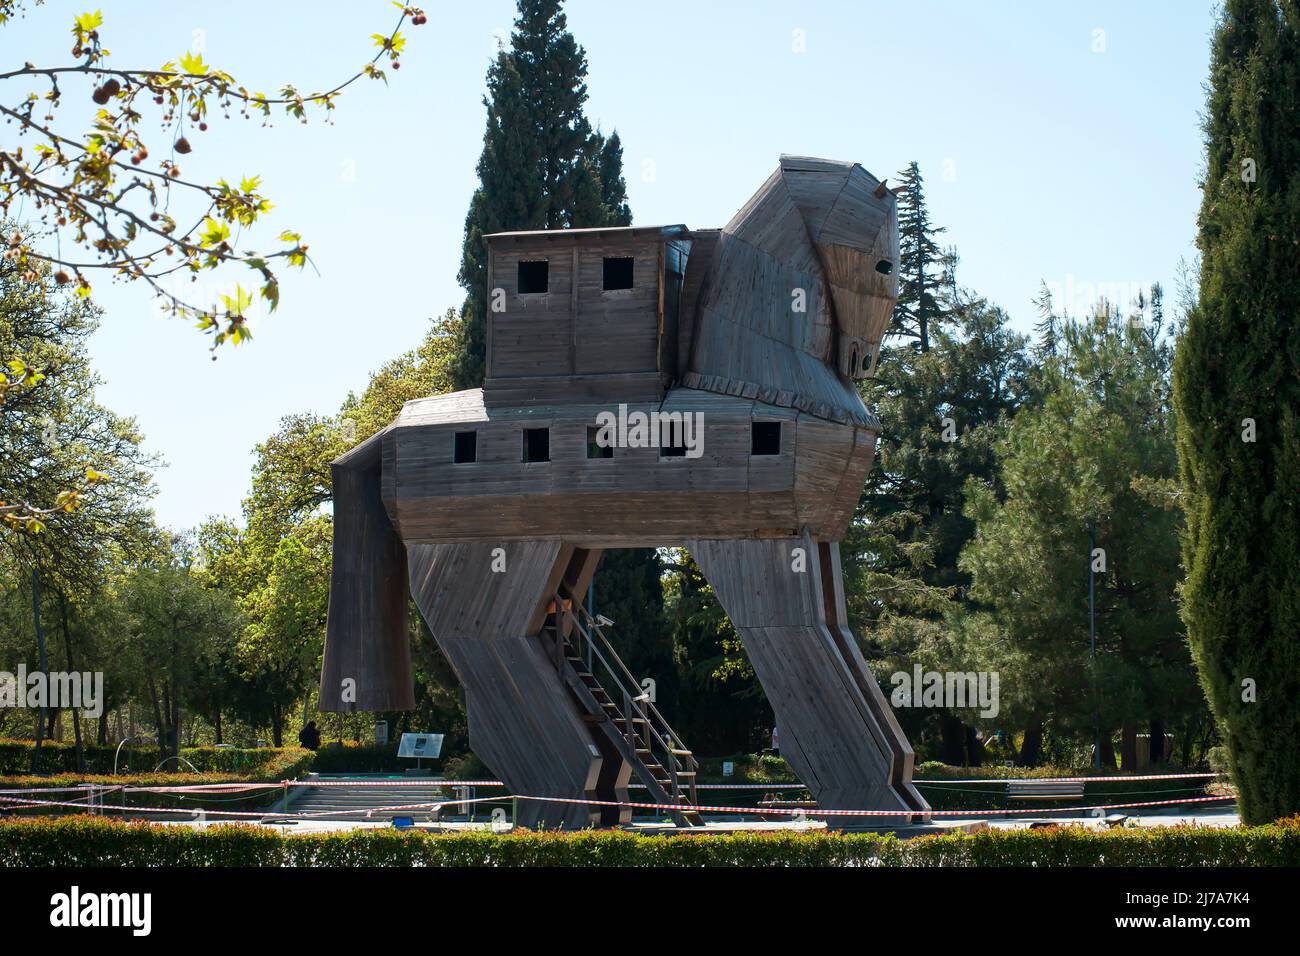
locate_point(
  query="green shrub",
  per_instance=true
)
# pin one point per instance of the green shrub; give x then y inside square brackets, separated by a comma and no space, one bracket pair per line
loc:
[1217,757]
[970,794]
[748,768]
[58,756]
[349,757]
[96,842]
[286,763]
[467,767]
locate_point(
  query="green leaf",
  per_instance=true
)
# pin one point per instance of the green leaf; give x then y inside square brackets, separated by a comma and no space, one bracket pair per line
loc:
[193,64]
[90,21]
[214,232]
[238,303]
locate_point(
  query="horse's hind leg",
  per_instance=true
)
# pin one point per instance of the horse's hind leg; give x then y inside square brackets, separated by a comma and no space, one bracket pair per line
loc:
[786,601]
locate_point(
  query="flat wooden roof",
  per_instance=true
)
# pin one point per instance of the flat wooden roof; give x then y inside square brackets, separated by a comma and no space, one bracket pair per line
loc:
[600,232]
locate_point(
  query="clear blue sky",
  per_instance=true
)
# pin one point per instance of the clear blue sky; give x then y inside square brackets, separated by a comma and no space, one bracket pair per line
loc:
[1046,159]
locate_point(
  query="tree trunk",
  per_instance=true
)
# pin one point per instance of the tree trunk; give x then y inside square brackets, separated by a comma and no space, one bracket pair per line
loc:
[1128,752]
[157,708]
[1031,748]
[974,748]
[952,740]
[40,650]
[1107,751]
[72,669]
[277,725]
[176,728]
[217,723]
[1157,741]
[101,737]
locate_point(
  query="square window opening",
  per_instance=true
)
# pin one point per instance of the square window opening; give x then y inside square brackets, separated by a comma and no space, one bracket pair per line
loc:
[466,451]
[534,276]
[537,444]
[765,438]
[594,448]
[675,444]
[617,273]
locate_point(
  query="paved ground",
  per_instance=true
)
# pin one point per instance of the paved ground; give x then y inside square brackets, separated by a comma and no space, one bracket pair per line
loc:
[1216,817]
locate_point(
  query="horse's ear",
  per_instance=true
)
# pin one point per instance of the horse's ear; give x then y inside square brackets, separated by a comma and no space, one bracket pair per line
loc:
[881,190]
[367,664]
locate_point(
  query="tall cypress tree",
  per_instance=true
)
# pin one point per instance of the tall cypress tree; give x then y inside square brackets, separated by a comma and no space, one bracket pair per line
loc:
[1237,393]
[542,165]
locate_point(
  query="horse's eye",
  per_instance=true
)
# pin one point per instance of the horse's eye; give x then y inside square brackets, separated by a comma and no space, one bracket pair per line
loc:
[884,267]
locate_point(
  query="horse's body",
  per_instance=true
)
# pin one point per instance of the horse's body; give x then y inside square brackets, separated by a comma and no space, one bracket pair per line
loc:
[497,535]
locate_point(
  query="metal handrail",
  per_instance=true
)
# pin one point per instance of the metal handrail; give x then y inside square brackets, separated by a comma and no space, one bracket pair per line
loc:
[662,721]
[659,734]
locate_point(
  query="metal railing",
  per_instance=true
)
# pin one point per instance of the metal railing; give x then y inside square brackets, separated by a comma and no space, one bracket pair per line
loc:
[589,643]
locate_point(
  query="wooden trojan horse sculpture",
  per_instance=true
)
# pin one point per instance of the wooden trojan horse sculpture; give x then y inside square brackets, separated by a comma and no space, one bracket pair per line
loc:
[645,387]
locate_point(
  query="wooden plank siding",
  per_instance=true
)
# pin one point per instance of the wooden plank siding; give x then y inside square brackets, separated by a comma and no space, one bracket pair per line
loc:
[766,321]
[638,494]
[484,609]
[367,661]
[832,736]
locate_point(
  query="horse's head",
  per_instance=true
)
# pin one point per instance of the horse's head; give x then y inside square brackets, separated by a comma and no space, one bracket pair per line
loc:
[851,220]
[803,283]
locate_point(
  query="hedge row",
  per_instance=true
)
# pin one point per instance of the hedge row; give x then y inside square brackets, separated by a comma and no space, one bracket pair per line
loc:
[284,764]
[58,756]
[932,778]
[61,757]
[350,757]
[99,842]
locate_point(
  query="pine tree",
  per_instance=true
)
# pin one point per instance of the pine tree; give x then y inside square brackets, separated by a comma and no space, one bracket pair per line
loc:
[542,165]
[1237,392]
[609,163]
[943,413]
[921,264]
[1091,463]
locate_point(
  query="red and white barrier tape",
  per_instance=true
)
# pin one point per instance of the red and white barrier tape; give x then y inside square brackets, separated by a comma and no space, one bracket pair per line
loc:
[215,788]
[735,811]
[1096,779]
[265,815]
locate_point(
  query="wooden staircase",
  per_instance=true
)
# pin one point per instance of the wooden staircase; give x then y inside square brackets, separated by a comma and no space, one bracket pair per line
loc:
[616,708]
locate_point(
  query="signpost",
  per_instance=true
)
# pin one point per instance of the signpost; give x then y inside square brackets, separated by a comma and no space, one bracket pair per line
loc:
[420,746]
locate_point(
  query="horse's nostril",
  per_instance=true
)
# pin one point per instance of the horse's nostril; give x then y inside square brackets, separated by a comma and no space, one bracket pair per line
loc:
[884,267]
